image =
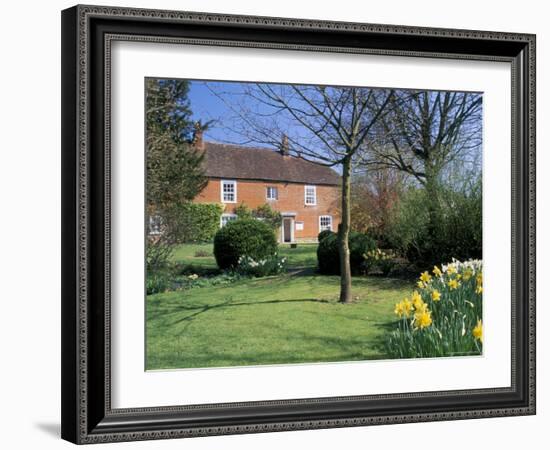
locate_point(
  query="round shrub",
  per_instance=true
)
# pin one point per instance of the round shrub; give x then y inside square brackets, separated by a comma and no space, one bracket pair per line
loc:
[243,237]
[323,234]
[328,257]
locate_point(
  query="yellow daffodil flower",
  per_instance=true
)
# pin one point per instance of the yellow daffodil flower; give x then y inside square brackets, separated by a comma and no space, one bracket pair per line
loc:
[436,295]
[478,331]
[421,284]
[417,300]
[437,272]
[451,269]
[425,277]
[453,284]
[422,319]
[468,274]
[479,290]
[403,308]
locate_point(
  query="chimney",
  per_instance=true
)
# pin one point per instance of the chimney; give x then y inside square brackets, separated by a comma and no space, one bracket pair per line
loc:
[197,137]
[284,148]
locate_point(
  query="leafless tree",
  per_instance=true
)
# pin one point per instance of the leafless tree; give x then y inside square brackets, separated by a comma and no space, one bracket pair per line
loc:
[429,135]
[327,125]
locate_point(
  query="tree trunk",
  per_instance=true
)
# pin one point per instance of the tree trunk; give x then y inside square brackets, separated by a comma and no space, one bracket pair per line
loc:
[343,235]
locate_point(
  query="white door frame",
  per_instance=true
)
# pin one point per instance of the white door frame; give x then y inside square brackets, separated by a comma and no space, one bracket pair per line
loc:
[292,224]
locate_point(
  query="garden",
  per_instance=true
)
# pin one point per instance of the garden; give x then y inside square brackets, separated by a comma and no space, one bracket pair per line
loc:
[400,276]
[243,299]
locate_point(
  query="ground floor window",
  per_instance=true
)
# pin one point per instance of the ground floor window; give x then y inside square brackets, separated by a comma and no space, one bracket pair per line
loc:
[227,218]
[155,225]
[325,223]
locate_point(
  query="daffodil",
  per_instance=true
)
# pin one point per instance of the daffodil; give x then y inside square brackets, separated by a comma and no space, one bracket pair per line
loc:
[436,295]
[437,272]
[421,284]
[467,274]
[478,331]
[453,284]
[479,290]
[403,308]
[398,309]
[417,300]
[425,277]
[423,318]
[451,269]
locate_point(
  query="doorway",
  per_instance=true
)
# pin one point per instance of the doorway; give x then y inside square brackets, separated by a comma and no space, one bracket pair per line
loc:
[287,229]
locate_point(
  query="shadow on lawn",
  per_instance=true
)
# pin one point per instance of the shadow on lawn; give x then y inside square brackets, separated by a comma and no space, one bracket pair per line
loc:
[228,303]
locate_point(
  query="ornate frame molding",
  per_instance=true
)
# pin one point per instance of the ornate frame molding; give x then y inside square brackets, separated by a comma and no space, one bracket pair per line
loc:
[86,193]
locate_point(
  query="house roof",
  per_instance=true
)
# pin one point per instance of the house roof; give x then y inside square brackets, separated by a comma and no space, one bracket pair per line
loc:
[237,162]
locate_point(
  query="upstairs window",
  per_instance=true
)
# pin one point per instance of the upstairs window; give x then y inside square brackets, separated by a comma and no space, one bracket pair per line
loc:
[229,191]
[325,223]
[310,195]
[272,193]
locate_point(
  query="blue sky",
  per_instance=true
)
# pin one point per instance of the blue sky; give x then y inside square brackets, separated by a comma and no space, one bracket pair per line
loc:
[207,106]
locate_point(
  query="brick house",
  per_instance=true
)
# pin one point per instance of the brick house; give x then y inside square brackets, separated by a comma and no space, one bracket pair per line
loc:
[305,193]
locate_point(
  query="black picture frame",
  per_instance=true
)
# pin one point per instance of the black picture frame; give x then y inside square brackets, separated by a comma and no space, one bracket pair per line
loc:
[87,416]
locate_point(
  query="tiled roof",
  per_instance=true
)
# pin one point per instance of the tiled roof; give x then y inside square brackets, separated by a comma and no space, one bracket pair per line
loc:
[238,162]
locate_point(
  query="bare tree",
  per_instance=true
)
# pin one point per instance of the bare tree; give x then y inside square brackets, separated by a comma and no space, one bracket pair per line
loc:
[428,135]
[326,125]
[424,131]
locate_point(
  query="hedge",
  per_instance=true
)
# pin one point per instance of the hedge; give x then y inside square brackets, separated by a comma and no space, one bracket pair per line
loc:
[198,222]
[243,237]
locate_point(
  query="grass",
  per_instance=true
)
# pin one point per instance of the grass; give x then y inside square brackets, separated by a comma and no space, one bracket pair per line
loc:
[293,318]
[303,256]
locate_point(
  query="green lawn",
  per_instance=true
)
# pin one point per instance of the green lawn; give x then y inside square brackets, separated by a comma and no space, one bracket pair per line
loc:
[293,318]
[304,255]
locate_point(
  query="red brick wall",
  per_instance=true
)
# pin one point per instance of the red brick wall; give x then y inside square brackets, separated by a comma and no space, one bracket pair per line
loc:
[291,200]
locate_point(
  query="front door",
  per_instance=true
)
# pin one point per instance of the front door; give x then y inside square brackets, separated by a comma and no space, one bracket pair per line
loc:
[287,229]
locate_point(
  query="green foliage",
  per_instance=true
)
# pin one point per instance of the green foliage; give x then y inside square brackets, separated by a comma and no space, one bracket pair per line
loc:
[196,222]
[263,212]
[157,281]
[268,215]
[174,167]
[175,174]
[448,324]
[270,265]
[328,258]
[323,234]
[452,230]
[243,237]
[243,211]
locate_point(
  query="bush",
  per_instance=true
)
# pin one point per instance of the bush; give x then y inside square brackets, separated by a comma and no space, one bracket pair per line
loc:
[328,257]
[263,212]
[456,234]
[196,222]
[323,234]
[271,265]
[243,237]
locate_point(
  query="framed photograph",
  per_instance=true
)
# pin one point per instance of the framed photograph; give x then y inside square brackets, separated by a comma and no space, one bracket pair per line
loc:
[279,224]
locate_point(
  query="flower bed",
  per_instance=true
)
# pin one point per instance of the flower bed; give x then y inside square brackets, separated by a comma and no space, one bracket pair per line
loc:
[443,317]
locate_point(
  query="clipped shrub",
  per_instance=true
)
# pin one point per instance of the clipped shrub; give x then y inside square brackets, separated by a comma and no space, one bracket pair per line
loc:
[323,234]
[328,257]
[243,237]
